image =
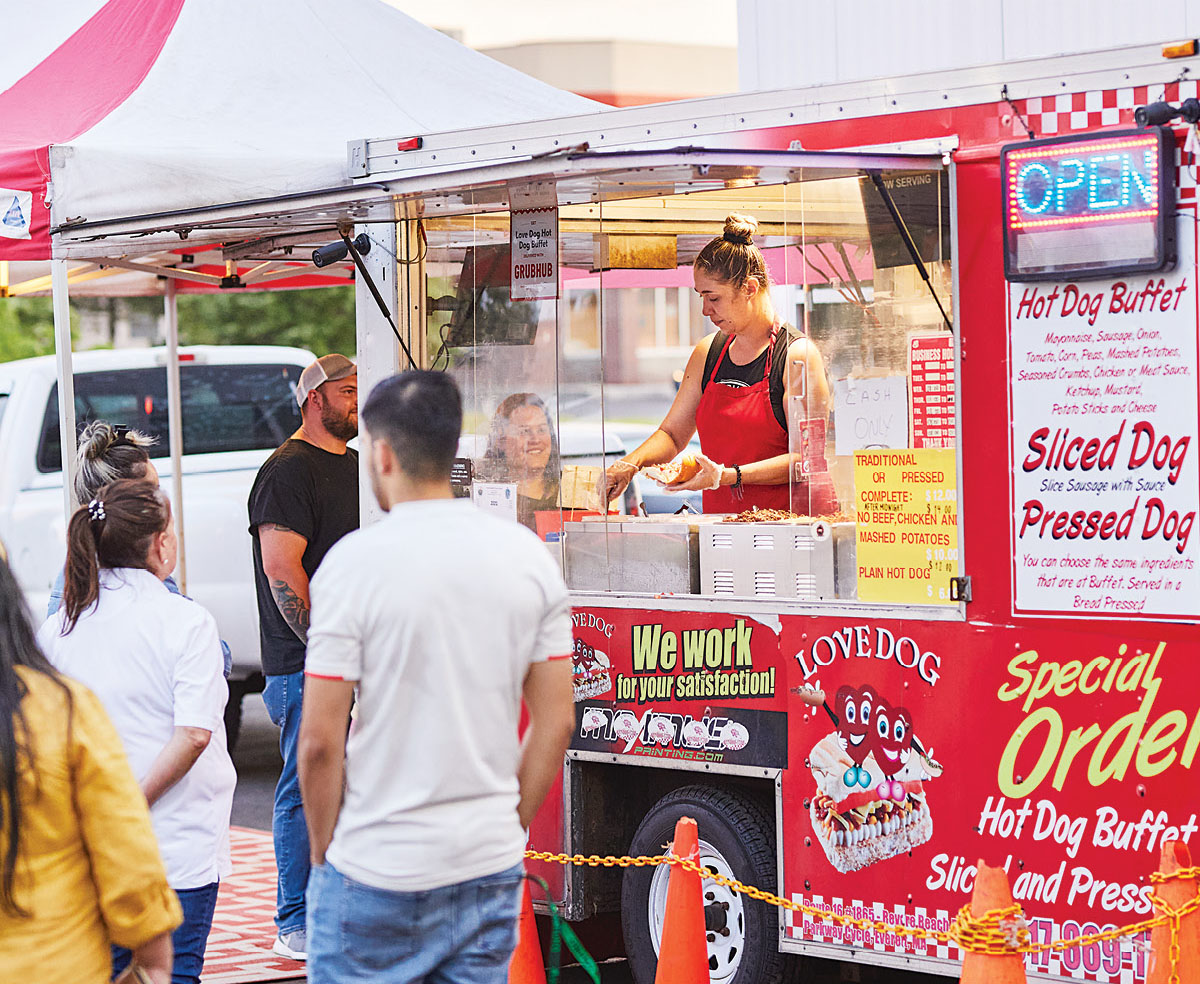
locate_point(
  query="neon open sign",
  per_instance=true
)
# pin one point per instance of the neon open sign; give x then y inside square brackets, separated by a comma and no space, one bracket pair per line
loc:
[1091,205]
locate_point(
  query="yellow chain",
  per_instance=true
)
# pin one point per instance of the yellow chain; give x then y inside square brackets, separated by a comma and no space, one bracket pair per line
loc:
[998,932]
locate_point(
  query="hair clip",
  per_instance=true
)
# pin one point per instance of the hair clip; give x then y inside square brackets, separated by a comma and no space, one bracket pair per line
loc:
[121,437]
[96,511]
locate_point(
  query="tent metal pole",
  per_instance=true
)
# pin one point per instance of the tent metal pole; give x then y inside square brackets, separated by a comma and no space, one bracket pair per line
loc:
[378,355]
[60,291]
[175,427]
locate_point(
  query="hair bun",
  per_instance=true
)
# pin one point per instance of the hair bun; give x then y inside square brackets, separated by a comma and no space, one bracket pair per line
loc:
[740,229]
[95,439]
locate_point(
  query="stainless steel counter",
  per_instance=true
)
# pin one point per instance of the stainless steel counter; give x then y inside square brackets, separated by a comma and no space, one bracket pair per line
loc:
[693,554]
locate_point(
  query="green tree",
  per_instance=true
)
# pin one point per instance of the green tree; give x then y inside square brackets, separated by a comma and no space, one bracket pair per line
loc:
[26,327]
[321,319]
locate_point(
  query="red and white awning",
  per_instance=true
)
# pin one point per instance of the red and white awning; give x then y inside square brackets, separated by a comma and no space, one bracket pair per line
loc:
[133,107]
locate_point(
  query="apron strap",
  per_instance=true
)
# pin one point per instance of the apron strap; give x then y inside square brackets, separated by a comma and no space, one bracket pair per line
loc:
[712,376]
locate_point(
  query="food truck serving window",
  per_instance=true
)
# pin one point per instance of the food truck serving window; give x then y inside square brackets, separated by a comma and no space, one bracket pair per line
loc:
[842,425]
[1097,205]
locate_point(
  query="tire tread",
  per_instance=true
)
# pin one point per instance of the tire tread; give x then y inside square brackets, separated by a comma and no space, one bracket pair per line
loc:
[754,830]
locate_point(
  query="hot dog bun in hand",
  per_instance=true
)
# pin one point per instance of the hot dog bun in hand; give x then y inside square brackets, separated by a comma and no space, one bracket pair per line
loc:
[682,469]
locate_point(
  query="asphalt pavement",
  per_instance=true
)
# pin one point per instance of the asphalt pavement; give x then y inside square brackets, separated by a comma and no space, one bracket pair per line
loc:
[256,757]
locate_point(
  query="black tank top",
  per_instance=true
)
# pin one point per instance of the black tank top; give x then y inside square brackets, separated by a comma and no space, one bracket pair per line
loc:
[730,373]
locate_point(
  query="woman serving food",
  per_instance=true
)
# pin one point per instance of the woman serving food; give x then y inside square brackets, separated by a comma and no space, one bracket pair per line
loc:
[735,393]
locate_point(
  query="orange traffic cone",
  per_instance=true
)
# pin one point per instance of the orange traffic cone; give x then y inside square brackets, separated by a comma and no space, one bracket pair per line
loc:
[683,952]
[1175,892]
[991,892]
[526,966]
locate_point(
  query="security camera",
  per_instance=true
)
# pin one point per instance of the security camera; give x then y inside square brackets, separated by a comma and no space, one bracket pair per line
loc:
[335,251]
[1161,113]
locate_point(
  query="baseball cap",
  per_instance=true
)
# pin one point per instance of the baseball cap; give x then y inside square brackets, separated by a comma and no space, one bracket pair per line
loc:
[324,369]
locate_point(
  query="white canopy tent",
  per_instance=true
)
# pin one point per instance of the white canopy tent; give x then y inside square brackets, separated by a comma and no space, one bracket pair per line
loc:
[135,107]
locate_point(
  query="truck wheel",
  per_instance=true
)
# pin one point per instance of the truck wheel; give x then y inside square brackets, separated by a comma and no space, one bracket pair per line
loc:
[736,840]
[233,713]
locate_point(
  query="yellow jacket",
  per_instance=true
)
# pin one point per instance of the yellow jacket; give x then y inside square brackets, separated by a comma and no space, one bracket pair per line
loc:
[88,871]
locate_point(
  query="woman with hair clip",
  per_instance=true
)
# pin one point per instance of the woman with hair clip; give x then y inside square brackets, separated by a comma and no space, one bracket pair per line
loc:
[79,870]
[736,391]
[108,452]
[154,660]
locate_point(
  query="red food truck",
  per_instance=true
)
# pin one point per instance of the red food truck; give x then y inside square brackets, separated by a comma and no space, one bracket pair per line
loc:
[984,647]
[983,651]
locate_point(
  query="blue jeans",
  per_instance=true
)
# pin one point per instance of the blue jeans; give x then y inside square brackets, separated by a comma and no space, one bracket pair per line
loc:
[459,934]
[283,696]
[188,940]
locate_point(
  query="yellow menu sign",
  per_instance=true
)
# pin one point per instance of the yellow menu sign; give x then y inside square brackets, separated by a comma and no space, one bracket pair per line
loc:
[906,506]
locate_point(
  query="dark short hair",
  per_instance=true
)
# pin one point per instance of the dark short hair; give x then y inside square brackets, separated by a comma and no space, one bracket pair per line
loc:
[419,414]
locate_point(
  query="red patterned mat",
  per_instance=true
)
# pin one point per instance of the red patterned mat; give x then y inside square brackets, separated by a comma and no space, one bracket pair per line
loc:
[243,929]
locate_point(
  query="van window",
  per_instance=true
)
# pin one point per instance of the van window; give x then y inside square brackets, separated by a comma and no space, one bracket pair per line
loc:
[225,407]
[3,403]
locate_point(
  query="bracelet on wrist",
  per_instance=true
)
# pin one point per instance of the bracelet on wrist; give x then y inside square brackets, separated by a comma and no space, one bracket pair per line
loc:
[737,487]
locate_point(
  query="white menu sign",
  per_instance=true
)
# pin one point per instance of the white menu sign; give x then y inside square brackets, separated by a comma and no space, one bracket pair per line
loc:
[534,236]
[1103,444]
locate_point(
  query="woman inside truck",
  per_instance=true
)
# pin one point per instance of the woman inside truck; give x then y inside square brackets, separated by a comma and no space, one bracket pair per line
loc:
[523,448]
[735,393]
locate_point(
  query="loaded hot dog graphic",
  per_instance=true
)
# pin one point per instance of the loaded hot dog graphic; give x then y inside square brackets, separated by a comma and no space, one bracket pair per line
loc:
[856,825]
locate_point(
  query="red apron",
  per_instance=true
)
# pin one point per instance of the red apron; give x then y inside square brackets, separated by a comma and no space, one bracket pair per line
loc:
[737,425]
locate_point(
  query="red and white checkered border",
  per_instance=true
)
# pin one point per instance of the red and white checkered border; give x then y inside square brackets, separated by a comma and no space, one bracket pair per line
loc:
[1078,112]
[942,951]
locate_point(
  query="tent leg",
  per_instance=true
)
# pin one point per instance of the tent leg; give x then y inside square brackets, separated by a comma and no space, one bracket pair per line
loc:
[66,381]
[378,355]
[175,427]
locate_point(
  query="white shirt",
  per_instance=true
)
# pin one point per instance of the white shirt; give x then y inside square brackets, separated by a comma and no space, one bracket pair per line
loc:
[154,660]
[437,612]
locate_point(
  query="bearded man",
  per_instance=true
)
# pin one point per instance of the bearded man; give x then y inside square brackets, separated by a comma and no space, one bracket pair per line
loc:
[304,499]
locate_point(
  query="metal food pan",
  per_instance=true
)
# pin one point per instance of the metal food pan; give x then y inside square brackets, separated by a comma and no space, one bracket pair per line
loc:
[635,555]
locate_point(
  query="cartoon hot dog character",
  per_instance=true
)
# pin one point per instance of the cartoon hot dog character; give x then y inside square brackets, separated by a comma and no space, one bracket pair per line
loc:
[857,825]
[853,721]
[891,741]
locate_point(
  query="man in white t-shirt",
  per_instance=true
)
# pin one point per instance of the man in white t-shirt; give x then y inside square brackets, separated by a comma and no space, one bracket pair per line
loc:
[443,617]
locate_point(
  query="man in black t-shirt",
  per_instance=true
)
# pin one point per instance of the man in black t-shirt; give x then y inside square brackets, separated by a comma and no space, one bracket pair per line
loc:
[304,499]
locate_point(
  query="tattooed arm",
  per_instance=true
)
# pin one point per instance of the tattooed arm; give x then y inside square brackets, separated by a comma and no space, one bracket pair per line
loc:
[282,556]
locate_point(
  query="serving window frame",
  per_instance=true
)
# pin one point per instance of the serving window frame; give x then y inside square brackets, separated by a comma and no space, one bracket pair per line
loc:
[582,178]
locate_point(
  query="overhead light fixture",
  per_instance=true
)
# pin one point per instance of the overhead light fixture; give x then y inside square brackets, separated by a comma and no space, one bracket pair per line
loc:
[1180,49]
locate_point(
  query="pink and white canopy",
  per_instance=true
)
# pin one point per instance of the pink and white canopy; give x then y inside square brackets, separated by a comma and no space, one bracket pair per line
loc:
[131,107]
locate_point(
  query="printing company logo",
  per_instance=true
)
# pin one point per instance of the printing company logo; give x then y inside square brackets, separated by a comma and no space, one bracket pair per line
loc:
[15,210]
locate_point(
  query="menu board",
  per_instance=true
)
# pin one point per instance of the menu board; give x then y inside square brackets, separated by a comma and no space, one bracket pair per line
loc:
[1104,438]
[931,377]
[906,507]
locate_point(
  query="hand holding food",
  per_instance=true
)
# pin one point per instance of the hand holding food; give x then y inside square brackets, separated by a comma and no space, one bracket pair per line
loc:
[617,477]
[679,470]
[811,694]
[706,474]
